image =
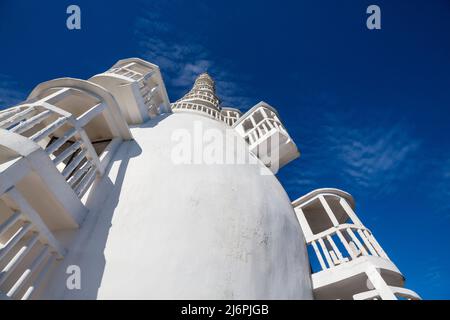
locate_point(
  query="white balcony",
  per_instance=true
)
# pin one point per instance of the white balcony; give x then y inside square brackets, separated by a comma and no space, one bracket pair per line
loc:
[231,115]
[52,148]
[28,250]
[138,87]
[347,261]
[266,136]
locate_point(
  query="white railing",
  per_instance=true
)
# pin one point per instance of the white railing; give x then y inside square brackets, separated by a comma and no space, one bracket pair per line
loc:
[127,72]
[262,129]
[354,241]
[202,95]
[213,102]
[24,118]
[80,171]
[230,120]
[148,95]
[205,87]
[28,249]
[230,116]
[205,94]
[72,153]
[213,113]
[144,84]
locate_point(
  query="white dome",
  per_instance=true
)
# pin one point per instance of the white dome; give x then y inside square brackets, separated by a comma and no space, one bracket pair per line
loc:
[158,230]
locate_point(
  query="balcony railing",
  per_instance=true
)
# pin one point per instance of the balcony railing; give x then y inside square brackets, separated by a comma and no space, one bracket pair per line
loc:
[212,113]
[127,72]
[148,95]
[25,117]
[205,94]
[28,249]
[138,88]
[72,153]
[204,98]
[263,128]
[354,241]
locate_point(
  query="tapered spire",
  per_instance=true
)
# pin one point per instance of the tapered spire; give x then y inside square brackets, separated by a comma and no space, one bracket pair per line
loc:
[203,92]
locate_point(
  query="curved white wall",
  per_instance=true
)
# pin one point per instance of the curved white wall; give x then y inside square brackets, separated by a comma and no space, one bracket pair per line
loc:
[157,230]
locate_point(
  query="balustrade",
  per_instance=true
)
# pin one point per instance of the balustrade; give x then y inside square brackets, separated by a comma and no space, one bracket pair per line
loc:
[354,241]
[213,113]
[28,249]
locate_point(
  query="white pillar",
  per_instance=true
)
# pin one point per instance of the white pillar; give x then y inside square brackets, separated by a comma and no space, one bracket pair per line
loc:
[328,210]
[303,223]
[350,212]
[379,284]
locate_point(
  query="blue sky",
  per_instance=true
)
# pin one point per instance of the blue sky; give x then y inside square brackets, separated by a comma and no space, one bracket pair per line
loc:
[369,110]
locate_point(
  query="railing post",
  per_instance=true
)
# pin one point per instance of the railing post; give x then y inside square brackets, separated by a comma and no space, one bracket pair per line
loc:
[335,249]
[319,256]
[92,155]
[376,245]
[367,243]
[345,244]
[35,218]
[357,242]
[326,253]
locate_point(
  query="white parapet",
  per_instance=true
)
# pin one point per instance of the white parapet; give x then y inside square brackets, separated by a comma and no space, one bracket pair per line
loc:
[138,87]
[347,260]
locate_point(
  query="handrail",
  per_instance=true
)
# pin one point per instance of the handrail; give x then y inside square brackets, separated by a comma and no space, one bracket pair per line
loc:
[201,93]
[28,116]
[355,239]
[26,231]
[259,124]
[214,102]
[215,114]
[333,230]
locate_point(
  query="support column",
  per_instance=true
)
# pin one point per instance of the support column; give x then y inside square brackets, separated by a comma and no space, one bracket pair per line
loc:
[350,212]
[327,208]
[303,223]
[379,284]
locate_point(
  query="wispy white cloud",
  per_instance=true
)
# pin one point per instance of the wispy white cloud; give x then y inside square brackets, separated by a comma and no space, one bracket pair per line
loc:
[189,71]
[373,157]
[369,157]
[182,57]
[10,92]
